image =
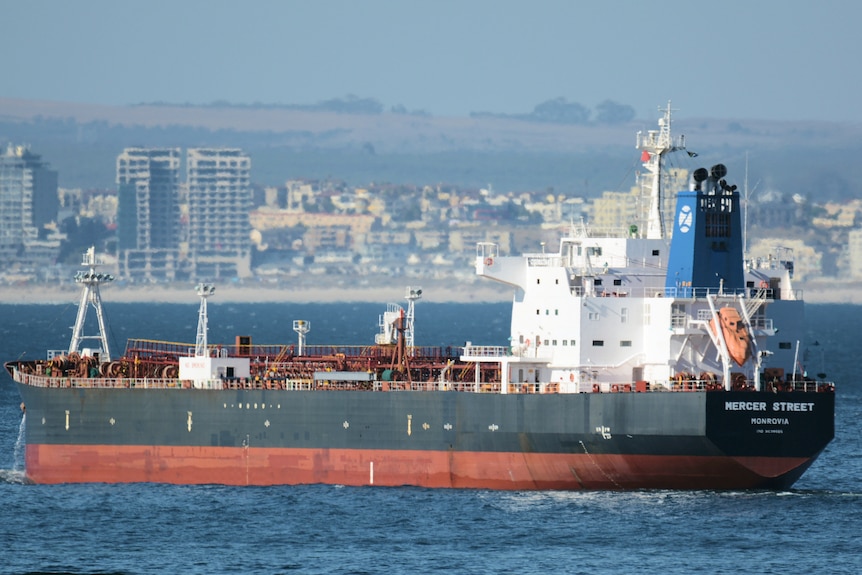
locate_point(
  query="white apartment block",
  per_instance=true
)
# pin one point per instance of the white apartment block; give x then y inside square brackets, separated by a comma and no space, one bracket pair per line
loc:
[219,202]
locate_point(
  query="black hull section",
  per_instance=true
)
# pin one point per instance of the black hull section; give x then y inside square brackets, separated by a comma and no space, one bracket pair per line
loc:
[624,436]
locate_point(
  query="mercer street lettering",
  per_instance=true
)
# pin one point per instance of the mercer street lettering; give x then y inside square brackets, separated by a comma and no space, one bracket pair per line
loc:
[766,406]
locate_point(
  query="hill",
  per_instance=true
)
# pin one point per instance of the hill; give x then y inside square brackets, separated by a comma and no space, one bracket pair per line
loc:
[82,141]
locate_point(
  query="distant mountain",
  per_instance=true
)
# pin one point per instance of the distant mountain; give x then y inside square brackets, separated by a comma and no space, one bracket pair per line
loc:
[359,143]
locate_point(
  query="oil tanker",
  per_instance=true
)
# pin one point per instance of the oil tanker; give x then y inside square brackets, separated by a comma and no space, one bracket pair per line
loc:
[647,358]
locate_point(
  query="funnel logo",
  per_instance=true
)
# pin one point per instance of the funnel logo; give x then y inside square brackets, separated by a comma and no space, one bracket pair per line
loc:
[684,219]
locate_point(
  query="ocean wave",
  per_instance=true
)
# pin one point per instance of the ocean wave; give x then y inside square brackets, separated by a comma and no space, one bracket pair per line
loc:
[13,476]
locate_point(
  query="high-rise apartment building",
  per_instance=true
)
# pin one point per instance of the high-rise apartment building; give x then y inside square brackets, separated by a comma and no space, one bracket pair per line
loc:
[28,201]
[149,215]
[854,253]
[219,202]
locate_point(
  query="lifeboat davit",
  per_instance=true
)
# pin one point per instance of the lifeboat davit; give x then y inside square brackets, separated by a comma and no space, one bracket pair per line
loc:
[736,336]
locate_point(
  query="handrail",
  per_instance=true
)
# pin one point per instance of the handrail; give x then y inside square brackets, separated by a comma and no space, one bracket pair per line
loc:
[674,385]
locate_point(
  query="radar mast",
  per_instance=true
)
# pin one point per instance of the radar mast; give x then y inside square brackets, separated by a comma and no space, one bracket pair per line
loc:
[654,145]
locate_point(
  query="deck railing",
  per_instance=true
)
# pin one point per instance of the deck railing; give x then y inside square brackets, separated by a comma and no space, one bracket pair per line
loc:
[687,385]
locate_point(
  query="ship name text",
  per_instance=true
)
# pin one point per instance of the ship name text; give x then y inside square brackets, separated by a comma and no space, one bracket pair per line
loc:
[762,406]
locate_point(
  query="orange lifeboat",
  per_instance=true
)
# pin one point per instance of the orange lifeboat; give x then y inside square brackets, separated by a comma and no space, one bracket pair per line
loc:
[736,336]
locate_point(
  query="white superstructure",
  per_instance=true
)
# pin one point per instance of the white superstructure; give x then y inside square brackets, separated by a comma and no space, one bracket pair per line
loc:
[605,314]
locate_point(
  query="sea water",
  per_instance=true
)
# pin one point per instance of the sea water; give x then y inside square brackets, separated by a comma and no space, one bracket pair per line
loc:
[146,528]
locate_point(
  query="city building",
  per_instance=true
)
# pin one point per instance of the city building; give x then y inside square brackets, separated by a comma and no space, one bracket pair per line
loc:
[219,202]
[28,207]
[854,254]
[149,231]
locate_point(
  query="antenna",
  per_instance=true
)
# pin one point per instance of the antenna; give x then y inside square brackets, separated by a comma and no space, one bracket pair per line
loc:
[746,194]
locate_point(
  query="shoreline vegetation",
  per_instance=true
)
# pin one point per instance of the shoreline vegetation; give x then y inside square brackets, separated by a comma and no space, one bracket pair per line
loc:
[817,291]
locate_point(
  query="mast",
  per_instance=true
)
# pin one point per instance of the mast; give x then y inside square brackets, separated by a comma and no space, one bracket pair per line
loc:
[654,145]
[746,196]
[204,291]
[413,294]
[301,327]
[90,280]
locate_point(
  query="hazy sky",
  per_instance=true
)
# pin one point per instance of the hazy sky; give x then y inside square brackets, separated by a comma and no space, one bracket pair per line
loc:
[741,59]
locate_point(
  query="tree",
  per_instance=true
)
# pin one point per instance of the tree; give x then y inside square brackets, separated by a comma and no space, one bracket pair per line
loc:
[610,112]
[559,111]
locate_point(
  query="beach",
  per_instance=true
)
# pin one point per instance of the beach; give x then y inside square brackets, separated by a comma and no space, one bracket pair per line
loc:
[438,292]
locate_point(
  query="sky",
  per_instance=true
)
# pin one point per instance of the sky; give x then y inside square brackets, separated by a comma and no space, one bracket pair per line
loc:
[741,59]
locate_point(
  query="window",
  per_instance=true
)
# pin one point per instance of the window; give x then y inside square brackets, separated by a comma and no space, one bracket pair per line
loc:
[545,342]
[556,312]
[618,282]
[598,342]
[624,315]
[565,342]
[553,342]
[785,345]
[538,312]
[626,343]
[677,315]
[593,316]
[655,252]
[598,281]
[572,343]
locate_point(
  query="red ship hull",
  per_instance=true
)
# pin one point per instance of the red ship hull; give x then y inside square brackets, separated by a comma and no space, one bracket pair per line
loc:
[49,464]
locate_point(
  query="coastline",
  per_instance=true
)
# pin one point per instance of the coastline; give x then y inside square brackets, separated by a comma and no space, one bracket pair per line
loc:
[820,291]
[814,292]
[435,292]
